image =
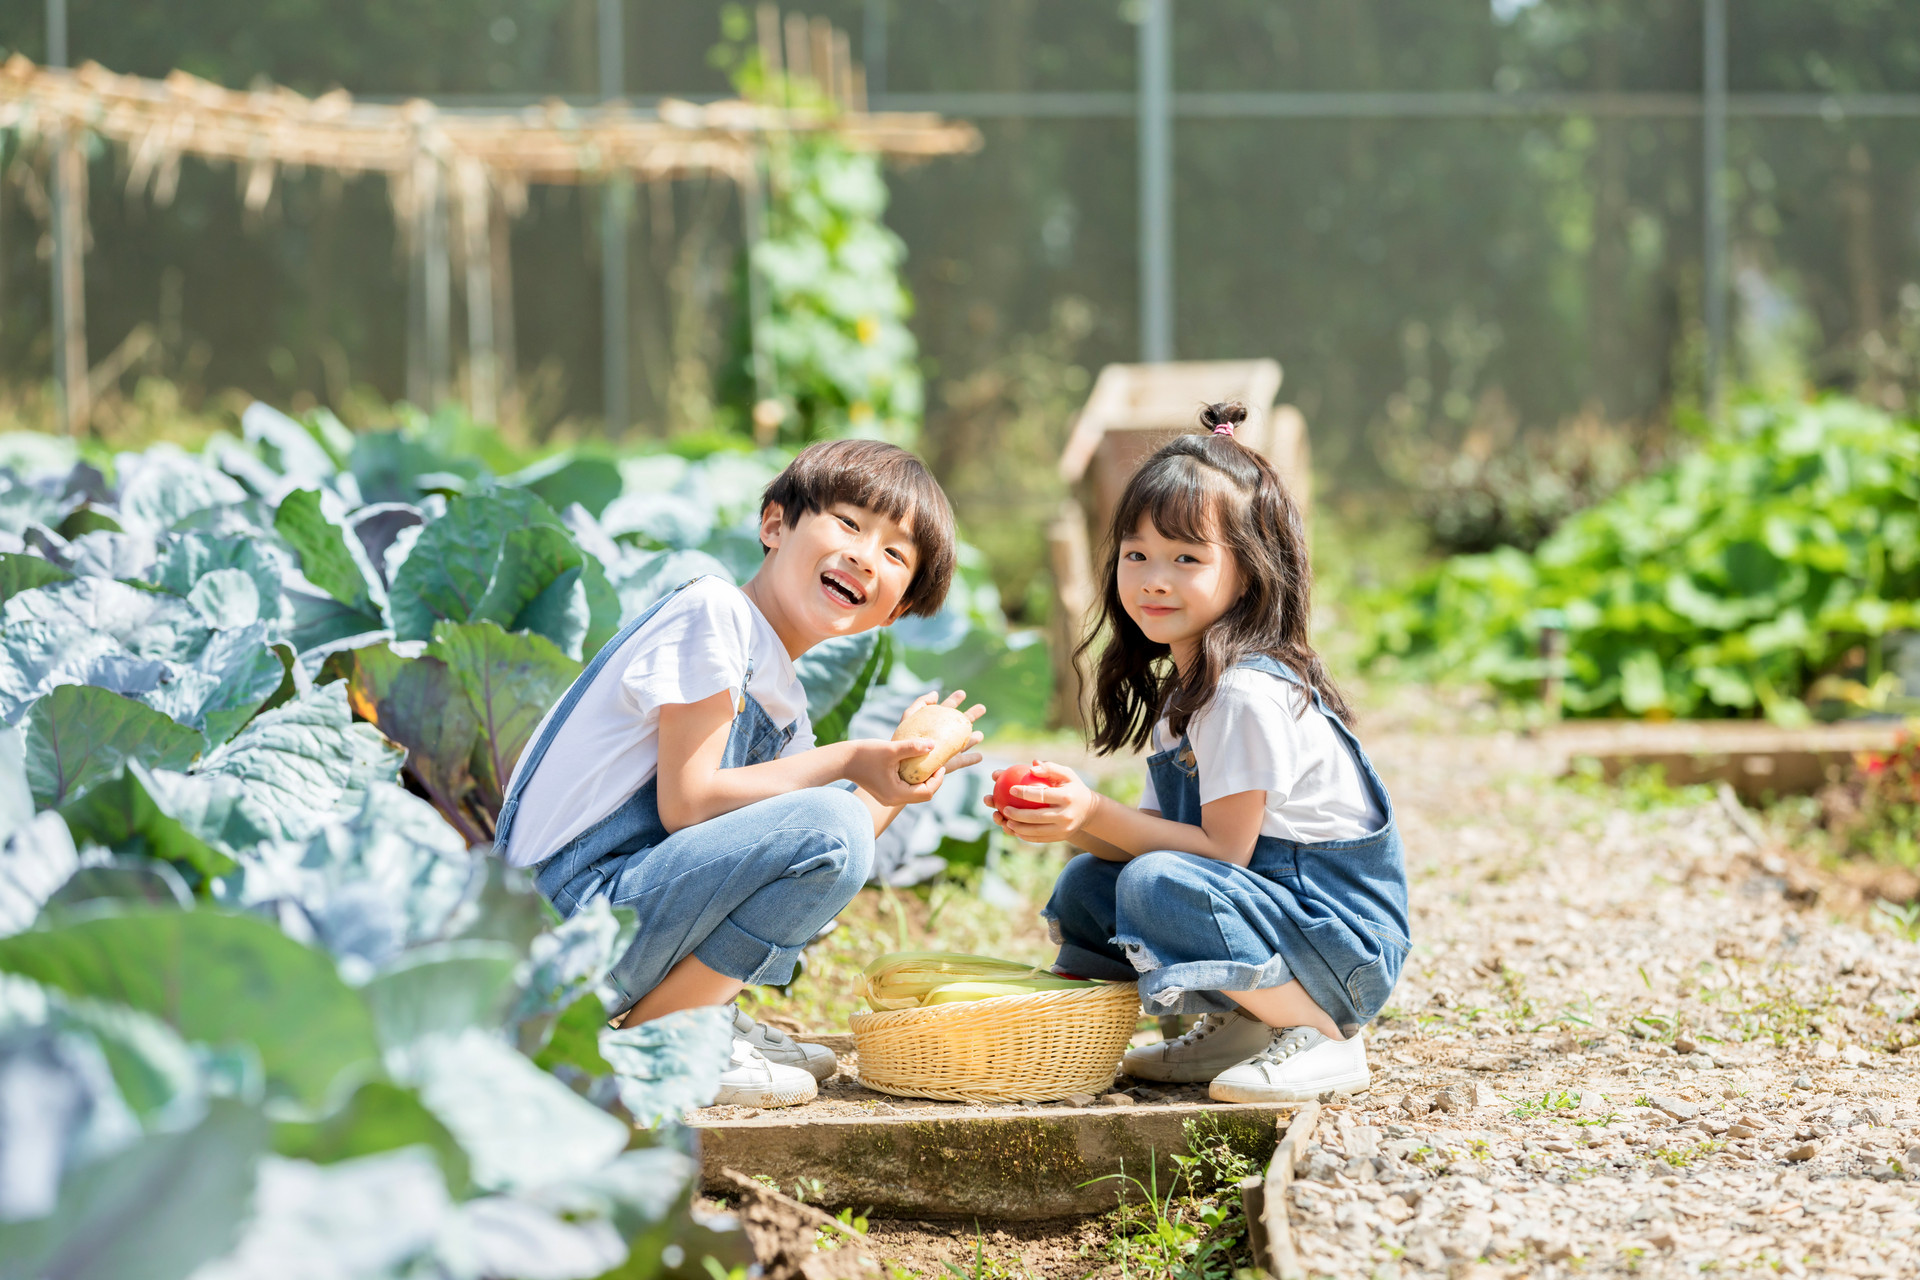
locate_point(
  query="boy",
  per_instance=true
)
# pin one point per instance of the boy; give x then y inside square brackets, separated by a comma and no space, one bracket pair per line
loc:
[679,776]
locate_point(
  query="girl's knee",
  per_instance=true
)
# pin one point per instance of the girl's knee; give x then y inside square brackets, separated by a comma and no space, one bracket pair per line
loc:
[1086,876]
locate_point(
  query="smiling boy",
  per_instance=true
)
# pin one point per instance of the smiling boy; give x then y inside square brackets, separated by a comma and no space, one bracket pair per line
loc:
[678,775]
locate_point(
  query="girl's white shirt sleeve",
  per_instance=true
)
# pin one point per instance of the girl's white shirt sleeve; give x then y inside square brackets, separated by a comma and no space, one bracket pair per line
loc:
[1251,737]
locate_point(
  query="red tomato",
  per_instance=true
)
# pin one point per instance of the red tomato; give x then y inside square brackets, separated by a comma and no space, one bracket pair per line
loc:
[1018,775]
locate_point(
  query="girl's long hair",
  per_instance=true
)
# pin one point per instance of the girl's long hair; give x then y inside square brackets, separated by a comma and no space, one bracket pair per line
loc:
[1205,488]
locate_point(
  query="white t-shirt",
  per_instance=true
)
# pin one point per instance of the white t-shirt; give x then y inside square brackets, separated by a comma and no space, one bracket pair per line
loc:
[1248,739]
[698,644]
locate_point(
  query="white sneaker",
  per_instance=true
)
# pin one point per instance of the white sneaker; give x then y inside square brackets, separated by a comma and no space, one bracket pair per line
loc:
[1212,1045]
[777,1046]
[1298,1065]
[752,1081]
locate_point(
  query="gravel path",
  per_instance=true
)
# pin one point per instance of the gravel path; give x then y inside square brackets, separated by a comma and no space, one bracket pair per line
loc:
[1628,1042]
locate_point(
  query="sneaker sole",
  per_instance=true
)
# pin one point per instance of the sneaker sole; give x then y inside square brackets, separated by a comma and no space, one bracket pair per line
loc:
[769,1095]
[1346,1087]
[1179,1073]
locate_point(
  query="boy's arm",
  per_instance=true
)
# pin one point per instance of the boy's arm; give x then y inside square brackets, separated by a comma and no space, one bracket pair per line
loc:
[692,787]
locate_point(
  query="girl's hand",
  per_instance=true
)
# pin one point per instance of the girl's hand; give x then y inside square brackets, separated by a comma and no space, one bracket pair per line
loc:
[1069,803]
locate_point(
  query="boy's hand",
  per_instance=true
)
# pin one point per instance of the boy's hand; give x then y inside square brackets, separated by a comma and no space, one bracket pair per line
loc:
[876,762]
[1069,803]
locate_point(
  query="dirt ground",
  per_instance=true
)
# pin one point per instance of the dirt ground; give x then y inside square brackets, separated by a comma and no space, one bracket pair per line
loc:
[1635,1037]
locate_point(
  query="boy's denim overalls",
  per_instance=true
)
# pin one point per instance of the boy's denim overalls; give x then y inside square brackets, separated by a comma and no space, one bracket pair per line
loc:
[744,891]
[1332,913]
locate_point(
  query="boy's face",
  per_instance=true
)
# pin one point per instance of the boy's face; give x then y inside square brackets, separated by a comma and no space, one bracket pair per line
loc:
[839,571]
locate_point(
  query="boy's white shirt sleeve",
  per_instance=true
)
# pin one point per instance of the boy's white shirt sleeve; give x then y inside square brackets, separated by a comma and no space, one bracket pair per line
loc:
[696,646]
[1244,741]
[802,739]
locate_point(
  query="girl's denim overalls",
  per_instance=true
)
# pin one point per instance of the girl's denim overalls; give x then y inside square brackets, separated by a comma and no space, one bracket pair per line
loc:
[743,891]
[1331,914]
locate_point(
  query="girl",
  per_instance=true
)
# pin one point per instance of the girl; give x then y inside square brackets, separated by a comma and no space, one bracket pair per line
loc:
[1261,881]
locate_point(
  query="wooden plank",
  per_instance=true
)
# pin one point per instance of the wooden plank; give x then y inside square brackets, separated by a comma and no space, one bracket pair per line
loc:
[1753,757]
[1281,1261]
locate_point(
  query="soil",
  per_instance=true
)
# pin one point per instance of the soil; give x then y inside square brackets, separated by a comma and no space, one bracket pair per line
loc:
[1635,1037]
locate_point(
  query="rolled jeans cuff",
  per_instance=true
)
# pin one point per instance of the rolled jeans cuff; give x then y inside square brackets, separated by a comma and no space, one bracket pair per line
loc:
[1196,986]
[732,951]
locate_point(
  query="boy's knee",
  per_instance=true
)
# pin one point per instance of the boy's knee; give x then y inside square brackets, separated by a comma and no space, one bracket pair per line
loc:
[847,825]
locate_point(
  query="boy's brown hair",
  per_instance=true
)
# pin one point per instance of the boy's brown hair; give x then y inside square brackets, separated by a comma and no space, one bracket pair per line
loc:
[880,477]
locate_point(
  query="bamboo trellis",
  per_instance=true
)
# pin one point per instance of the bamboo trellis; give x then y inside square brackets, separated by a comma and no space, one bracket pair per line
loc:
[445,170]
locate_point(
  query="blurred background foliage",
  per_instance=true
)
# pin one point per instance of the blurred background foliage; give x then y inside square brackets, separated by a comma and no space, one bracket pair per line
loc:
[1496,315]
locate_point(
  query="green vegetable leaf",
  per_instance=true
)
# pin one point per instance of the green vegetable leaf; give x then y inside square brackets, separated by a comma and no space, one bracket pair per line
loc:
[78,736]
[218,979]
[421,705]
[312,522]
[452,568]
[155,1210]
[379,1117]
[23,573]
[510,680]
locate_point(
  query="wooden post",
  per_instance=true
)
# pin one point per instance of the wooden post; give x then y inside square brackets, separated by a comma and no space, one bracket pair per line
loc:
[69,281]
[439,292]
[500,246]
[483,398]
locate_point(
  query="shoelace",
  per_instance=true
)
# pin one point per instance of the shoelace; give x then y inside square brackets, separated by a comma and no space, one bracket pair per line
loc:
[1283,1046]
[1208,1024]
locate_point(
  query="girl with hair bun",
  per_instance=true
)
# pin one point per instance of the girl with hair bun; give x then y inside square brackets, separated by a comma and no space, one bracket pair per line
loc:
[1261,882]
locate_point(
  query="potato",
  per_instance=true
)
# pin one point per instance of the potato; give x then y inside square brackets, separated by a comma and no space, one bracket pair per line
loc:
[946,726]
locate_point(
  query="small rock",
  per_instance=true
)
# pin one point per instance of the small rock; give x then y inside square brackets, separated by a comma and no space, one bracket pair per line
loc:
[1661,1235]
[1450,1099]
[1714,1128]
[746,1113]
[1478,1094]
[1566,1044]
[1146,1095]
[1117,1100]
[1854,1056]
[1079,1099]
[1486,1062]
[885,1109]
[1738,1131]
[1911,1160]
[1684,1043]
[1803,1081]
[1414,1105]
[1698,1062]
[1825,1049]
[1878,1113]
[1805,1151]
[1678,1108]
[1881,1171]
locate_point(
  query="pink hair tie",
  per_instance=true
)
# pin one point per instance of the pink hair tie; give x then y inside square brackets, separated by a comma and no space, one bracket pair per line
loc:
[1224,429]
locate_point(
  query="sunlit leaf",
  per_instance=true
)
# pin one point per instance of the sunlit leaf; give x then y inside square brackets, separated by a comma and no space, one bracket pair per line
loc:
[78,736]
[510,681]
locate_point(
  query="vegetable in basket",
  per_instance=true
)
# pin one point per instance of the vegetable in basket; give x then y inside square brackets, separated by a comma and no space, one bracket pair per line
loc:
[904,979]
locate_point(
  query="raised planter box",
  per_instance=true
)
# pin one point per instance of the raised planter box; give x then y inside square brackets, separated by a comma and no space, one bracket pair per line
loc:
[1756,759]
[1010,1165]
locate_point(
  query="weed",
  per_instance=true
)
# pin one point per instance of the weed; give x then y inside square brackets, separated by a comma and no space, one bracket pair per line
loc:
[849,1224]
[1681,1157]
[1903,919]
[1543,1108]
[1190,1238]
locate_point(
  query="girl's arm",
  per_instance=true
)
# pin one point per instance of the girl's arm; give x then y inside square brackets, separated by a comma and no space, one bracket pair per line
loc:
[694,788]
[1076,813]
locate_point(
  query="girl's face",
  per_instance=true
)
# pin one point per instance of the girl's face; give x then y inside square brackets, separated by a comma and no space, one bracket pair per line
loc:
[1175,590]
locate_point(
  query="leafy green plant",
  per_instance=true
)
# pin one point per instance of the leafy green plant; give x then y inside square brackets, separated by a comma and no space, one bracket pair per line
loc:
[1725,585]
[827,352]
[1874,810]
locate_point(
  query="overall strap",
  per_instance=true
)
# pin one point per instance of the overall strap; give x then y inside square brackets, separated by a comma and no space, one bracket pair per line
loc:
[510,808]
[1274,667]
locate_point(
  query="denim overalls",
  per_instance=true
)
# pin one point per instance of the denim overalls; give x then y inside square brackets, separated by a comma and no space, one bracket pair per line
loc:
[1331,913]
[743,891]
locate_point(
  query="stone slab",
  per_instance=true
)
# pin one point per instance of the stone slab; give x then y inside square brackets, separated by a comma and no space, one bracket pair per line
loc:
[1010,1165]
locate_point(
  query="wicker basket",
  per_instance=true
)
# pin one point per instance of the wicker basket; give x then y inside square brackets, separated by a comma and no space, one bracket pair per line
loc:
[1034,1048]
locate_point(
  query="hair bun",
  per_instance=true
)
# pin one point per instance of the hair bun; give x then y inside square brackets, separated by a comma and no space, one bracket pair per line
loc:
[1229,413]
